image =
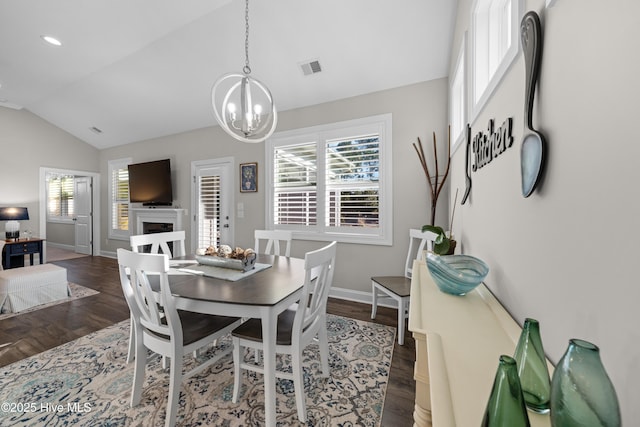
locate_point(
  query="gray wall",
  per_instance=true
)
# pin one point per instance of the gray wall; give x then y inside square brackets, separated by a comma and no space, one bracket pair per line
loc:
[28,143]
[418,110]
[567,254]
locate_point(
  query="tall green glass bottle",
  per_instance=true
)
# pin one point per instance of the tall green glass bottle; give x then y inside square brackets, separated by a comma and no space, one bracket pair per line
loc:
[532,368]
[506,406]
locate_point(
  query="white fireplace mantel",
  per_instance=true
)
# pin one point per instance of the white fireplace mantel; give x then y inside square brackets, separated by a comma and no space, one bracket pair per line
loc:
[139,216]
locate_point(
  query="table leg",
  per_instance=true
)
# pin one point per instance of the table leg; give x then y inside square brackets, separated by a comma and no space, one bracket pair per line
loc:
[269,359]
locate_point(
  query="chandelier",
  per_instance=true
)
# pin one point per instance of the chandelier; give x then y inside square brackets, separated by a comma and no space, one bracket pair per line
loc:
[243,105]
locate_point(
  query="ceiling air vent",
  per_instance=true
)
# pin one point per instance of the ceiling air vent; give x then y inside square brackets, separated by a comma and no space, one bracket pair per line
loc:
[95,130]
[311,67]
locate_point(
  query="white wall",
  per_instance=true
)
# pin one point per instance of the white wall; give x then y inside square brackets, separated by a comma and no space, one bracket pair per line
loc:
[566,255]
[28,143]
[418,110]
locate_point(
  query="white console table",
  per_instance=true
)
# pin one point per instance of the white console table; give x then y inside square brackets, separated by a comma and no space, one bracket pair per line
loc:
[459,340]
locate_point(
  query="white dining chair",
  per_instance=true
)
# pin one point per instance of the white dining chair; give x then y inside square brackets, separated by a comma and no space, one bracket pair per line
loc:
[156,243]
[271,240]
[295,329]
[398,288]
[164,329]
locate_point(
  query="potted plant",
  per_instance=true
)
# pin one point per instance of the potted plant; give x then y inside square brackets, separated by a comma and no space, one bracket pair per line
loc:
[444,244]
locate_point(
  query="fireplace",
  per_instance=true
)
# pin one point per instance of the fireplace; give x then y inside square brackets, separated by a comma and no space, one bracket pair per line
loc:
[158,220]
[156,227]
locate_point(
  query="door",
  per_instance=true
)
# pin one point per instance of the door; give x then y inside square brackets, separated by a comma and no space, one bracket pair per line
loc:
[212,200]
[83,215]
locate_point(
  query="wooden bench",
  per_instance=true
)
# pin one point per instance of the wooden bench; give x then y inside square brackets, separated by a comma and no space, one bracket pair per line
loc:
[22,288]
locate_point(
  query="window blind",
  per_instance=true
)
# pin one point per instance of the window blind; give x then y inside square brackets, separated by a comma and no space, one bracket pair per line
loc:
[352,182]
[60,196]
[209,188]
[120,199]
[295,184]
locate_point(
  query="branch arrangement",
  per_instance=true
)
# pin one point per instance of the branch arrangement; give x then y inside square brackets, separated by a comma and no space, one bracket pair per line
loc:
[434,184]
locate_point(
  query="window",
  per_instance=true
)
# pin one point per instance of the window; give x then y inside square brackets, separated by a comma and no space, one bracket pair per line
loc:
[332,182]
[457,99]
[495,30]
[60,189]
[119,199]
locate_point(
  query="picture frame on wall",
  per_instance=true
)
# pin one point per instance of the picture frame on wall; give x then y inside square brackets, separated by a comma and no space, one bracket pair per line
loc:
[248,177]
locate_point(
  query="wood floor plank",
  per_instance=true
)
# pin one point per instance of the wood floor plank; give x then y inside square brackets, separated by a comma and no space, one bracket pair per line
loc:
[38,331]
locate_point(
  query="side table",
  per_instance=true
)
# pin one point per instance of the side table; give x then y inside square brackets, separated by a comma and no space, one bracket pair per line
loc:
[15,250]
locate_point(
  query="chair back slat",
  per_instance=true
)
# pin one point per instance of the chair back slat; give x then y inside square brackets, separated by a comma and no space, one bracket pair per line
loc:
[159,243]
[273,239]
[419,241]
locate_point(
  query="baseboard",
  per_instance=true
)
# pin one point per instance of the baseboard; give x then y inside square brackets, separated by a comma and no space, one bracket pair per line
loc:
[61,246]
[359,296]
[109,254]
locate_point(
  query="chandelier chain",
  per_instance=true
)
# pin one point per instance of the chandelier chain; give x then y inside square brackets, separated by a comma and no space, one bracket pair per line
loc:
[247,68]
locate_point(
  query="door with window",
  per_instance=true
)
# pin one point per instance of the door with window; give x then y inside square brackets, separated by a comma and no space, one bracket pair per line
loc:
[212,193]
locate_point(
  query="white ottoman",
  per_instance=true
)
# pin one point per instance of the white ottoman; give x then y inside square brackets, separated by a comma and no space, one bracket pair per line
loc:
[25,287]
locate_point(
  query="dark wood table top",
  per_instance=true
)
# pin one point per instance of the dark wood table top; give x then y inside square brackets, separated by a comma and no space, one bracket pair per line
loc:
[22,240]
[265,288]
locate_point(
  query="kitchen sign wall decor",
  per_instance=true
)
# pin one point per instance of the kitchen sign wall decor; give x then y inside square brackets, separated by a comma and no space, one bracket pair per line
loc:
[484,147]
[487,146]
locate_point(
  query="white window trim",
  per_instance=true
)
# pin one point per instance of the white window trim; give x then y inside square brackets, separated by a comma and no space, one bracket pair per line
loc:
[381,125]
[113,165]
[459,72]
[517,7]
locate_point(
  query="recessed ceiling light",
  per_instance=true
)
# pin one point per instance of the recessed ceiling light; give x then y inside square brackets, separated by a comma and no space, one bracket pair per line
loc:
[52,40]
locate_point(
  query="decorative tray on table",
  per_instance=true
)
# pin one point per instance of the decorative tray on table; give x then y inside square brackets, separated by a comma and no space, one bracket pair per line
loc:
[237,259]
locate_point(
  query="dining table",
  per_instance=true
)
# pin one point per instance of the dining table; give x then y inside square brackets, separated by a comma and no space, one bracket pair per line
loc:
[262,294]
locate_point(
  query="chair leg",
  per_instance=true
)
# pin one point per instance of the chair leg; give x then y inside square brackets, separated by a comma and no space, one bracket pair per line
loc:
[236,369]
[402,315]
[165,363]
[374,301]
[175,382]
[298,384]
[323,344]
[132,341]
[138,372]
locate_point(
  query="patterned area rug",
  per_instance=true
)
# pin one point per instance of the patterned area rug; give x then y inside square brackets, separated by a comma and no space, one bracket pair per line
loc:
[77,292]
[87,382]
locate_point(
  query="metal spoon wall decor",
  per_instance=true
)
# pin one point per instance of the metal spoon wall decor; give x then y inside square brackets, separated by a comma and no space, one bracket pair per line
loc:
[533,144]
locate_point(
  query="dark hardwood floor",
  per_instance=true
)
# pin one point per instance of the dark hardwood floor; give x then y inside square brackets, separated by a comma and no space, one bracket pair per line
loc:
[35,332]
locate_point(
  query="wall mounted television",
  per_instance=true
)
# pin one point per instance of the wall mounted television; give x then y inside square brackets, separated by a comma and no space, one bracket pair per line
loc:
[150,183]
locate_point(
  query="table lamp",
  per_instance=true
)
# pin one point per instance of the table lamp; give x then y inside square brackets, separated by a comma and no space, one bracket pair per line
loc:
[12,216]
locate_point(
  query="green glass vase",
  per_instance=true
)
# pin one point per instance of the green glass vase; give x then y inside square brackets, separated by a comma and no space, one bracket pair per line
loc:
[581,392]
[532,368]
[506,406]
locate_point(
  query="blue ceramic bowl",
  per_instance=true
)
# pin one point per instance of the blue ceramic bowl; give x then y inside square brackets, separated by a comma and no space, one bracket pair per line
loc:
[456,274]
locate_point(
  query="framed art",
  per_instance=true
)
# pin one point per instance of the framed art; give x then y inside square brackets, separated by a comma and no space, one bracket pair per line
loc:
[248,177]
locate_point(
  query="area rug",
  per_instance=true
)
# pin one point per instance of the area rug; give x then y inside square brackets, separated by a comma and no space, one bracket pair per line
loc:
[77,292]
[87,382]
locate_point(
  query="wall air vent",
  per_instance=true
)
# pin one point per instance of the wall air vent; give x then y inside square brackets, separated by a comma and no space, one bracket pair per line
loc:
[311,67]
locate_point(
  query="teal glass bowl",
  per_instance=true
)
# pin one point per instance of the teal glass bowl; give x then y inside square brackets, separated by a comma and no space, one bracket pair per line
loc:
[456,274]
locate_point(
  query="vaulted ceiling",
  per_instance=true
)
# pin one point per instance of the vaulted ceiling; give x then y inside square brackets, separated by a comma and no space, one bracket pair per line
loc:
[140,69]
